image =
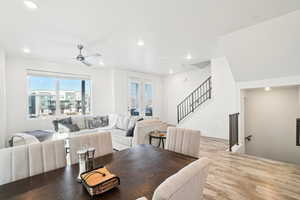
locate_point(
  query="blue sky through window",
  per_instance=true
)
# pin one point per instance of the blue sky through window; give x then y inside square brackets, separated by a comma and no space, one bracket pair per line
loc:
[48,83]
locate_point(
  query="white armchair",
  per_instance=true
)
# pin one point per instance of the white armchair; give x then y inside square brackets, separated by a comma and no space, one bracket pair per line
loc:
[188,183]
[142,130]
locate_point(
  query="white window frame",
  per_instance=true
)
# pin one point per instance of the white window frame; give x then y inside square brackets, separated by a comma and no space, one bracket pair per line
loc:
[57,76]
[141,94]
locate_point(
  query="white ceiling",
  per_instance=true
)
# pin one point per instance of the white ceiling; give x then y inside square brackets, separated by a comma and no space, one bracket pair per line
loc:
[169,28]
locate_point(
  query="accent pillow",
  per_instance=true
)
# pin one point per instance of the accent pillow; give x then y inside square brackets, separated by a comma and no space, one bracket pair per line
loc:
[104,121]
[130,132]
[72,127]
[97,122]
[80,121]
[55,125]
[65,121]
[122,123]
[94,122]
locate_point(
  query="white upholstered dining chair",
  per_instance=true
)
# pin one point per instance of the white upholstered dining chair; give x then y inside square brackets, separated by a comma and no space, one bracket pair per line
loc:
[102,142]
[46,156]
[185,141]
[28,160]
[14,164]
[187,184]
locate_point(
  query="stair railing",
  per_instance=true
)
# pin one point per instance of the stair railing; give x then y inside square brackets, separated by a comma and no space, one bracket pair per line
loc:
[199,96]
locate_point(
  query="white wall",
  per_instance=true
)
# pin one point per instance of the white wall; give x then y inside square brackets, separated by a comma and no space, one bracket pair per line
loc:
[212,117]
[271,118]
[109,91]
[17,120]
[120,90]
[266,50]
[2,99]
[177,87]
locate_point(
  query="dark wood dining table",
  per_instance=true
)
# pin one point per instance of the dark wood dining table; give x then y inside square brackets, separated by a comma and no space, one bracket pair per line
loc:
[141,170]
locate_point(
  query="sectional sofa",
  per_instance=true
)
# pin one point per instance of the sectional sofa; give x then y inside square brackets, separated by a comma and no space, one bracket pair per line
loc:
[120,127]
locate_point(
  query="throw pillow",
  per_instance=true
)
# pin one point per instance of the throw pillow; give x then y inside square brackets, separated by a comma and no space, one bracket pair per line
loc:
[95,122]
[122,123]
[104,121]
[65,121]
[72,127]
[55,124]
[79,120]
[130,132]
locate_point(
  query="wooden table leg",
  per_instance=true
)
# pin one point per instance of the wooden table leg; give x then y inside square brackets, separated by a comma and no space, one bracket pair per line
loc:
[159,142]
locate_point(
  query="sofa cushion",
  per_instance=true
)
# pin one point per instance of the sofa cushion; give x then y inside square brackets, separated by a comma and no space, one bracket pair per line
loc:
[122,122]
[112,118]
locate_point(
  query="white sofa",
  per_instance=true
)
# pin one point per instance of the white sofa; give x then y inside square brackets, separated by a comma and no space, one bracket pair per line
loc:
[118,127]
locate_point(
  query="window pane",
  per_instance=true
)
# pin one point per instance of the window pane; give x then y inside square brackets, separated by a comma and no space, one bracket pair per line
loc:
[87,97]
[134,99]
[148,100]
[42,96]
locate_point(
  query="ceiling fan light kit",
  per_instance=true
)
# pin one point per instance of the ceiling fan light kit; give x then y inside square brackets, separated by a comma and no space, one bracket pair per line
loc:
[81,58]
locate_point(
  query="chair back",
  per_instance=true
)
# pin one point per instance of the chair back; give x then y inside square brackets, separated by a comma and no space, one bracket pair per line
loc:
[54,155]
[5,165]
[185,141]
[102,142]
[188,183]
[28,160]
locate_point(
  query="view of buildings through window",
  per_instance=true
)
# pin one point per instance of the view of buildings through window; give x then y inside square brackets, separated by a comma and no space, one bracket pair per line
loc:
[50,96]
[140,98]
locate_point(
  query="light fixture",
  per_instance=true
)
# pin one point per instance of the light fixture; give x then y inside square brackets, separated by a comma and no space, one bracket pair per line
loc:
[26,50]
[140,43]
[267,89]
[31,5]
[188,56]
[171,71]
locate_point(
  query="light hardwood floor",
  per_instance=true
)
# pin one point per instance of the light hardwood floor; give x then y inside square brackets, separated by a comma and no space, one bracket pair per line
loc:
[243,177]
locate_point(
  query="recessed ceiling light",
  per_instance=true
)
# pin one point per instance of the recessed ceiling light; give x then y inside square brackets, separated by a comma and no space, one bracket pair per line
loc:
[26,50]
[188,56]
[101,63]
[267,89]
[141,43]
[31,5]
[171,71]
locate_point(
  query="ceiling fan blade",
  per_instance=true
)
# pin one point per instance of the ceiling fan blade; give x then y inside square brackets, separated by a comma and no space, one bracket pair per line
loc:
[86,63]
[94,55]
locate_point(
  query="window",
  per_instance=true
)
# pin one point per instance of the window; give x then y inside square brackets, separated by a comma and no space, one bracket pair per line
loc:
[148,99]
[134,98]
[49,96]
[140,98]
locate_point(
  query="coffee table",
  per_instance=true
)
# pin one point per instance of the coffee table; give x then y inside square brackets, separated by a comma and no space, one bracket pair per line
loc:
[160,135]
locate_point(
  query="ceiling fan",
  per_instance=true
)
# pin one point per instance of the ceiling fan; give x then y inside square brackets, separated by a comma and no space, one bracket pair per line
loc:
[81,58]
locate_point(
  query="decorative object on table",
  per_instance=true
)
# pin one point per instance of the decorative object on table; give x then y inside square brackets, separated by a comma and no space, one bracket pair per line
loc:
[82,156]
[99,181]
[161,135]
[90,164]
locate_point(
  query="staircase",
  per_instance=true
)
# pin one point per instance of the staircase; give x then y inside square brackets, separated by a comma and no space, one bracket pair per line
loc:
[194,100]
